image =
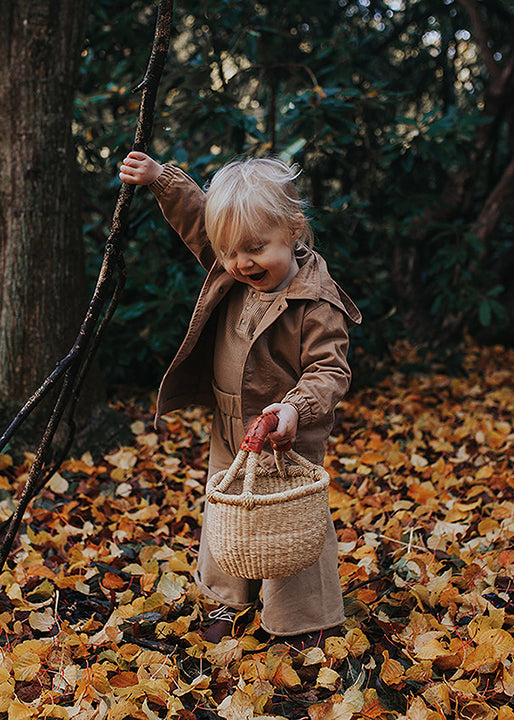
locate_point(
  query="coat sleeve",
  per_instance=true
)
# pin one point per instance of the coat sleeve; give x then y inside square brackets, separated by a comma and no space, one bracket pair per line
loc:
[326,374]
[182,203]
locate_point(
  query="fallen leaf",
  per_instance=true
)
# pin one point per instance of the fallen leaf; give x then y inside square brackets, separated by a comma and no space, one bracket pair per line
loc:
[327,678]
[238,706]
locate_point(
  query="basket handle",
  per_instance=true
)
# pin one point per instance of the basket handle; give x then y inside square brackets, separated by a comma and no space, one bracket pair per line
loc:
[249,451]
[258,431]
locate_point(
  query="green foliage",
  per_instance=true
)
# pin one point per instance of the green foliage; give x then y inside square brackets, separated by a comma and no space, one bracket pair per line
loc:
[382,105]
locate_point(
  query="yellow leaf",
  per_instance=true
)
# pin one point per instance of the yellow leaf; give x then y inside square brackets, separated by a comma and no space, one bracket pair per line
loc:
[172,586]
[125,458]
[313,656]
[484,473]
[418,461]
[238,706]
[174,705]
[499,639]
[42,621]
[26,667]
[428,647]
[484,659]
[261,692]
[20,711]
[129,651]
[339,707]
[357,642]
[152,657]
[507,682]
[70,674]
[118,474]
[54,711]
[148,711]
[438,695]
[249,643]
[336,647]
[465,687]
[6,693]
[138,427]
[58,484]
[392,672]
[420,672]
[418,710]
[154,690]
[479,710]
[123,709]
[5,461]
[252,669]
[327,678]
[225,652]
[200,683]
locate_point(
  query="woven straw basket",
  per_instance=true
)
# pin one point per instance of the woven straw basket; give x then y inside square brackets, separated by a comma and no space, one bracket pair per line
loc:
[279,531]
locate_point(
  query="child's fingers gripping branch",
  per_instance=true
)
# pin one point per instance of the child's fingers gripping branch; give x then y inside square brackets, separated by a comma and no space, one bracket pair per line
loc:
[287,423]
[138,168]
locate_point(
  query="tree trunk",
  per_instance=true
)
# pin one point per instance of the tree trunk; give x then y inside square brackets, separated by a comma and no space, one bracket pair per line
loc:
[42,271]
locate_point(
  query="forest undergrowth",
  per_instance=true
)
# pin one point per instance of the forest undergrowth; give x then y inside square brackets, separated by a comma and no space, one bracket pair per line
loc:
[100,617]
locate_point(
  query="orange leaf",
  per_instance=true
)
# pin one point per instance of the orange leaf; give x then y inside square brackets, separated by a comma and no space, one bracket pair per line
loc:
[505,713]
[112,581]
[371,458]
[124,679]
[392,672]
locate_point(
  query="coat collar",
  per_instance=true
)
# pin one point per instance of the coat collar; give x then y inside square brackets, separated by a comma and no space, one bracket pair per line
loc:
[312,282]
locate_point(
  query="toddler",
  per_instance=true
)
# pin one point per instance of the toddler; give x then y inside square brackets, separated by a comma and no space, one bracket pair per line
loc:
[269,333]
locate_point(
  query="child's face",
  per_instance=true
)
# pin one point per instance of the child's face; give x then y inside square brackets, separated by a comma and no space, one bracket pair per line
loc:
[267,263]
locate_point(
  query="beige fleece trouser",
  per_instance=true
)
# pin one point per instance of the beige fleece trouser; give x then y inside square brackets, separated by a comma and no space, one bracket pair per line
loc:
[306,602]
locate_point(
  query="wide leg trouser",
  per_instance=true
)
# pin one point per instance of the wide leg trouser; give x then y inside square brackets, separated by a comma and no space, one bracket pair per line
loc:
[306,602]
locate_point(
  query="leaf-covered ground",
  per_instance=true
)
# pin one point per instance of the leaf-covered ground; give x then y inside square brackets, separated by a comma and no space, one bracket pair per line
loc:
[100,618]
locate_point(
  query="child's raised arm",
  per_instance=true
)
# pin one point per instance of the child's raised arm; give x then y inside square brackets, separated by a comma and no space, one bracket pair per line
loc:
[138,168]
[179,197]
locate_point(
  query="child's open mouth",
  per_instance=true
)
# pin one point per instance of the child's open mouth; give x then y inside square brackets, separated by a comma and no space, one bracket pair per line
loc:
[256,277]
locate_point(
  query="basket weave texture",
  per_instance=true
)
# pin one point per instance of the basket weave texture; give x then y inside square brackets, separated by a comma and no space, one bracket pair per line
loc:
[267,524]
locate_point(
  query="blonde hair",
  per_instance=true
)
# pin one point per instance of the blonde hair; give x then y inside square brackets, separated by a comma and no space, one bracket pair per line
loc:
[247,194]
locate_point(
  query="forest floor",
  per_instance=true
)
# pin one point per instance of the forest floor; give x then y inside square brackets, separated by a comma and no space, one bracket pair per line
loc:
[100,617]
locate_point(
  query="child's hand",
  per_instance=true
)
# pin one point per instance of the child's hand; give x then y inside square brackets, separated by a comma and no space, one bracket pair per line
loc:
[139,169]
[287,423]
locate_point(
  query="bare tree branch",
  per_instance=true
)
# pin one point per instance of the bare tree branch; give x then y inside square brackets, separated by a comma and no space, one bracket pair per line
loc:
[75,365]
[493,206]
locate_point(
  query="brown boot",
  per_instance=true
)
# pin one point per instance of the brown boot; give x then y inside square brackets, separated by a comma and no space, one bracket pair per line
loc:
[223,624]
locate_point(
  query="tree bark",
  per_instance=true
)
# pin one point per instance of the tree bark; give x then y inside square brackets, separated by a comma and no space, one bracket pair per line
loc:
[43,290]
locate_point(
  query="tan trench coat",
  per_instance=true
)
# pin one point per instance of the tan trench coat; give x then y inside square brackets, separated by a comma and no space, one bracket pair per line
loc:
[298,351]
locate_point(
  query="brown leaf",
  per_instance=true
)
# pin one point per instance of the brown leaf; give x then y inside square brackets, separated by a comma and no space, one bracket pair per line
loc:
[113,582]
[124,679]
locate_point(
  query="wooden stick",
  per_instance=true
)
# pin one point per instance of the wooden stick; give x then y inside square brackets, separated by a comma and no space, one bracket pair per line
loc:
[74,366]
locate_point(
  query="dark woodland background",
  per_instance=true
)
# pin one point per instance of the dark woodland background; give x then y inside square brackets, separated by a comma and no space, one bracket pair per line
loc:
[399,112]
